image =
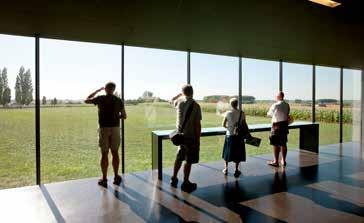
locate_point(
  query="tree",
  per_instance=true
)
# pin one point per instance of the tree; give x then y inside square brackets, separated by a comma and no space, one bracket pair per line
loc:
[247,99]
[147,95]
[327,101]
[5,92]
[27,88]
[54,101]
[215,98]
[1,87]
[44,100]
[6,96]
[18,93]
[24,87]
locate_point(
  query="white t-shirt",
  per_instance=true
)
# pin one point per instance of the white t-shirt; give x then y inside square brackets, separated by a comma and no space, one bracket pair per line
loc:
[232,117]
[279,111]
[182,106]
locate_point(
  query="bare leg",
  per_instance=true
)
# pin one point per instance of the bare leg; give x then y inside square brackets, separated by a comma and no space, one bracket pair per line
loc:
[284,154]
[177,166]
[226,165]
[276,151]
[237,166]
[104,163]
[115,162]
[187,171]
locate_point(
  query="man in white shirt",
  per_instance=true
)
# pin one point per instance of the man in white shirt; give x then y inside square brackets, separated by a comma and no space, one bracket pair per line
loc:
[279,112]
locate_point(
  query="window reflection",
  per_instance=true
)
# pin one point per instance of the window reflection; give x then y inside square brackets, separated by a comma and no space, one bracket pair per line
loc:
[152,78]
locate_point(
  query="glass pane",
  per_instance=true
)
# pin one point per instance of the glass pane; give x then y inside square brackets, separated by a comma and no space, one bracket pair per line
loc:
[215,80]
[328,103]
[297,86]
[352,105]
[152,78]
[17,133]
[260,82]
[70,71]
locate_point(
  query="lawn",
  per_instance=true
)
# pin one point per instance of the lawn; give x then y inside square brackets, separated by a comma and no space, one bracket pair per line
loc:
[69,141]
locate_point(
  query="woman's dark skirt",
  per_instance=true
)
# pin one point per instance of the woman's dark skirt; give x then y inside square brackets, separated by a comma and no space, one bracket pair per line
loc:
[234,149]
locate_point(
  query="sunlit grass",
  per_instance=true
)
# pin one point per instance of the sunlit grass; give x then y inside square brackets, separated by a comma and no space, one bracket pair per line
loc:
[69,147]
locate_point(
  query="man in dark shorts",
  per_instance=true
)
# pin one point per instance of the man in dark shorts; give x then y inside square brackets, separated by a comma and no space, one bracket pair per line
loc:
[192,131]
[279,112]
[110,110]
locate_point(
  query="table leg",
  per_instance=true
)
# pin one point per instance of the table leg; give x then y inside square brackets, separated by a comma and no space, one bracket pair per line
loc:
[309,138]
[157,155]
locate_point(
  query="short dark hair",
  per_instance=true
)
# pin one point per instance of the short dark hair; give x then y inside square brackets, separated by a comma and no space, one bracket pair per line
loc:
[110,85]
[187,90]
[281,93]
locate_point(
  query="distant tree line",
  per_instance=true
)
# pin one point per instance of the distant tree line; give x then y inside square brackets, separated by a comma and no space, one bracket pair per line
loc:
[23,87]
[54,101]
[327,101]
[246,99]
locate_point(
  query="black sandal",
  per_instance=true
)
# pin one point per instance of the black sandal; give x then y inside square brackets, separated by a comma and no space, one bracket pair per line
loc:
[117,180]
[102,183]
[237,173]
[173,182]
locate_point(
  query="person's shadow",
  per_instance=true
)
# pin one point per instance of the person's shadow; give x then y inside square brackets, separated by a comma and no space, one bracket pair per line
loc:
[142,206]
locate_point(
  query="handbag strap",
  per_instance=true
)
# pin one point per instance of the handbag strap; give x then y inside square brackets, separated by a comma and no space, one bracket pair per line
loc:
[239,121]
[187,116]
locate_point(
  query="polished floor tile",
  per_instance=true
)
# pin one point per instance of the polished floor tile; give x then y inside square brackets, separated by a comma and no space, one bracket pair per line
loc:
[292,208]
[328,187]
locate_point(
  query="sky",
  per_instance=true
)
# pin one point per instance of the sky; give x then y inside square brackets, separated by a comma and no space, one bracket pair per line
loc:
[73,70]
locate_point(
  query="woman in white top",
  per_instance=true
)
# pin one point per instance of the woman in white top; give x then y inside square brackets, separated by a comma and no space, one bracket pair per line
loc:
[234,146]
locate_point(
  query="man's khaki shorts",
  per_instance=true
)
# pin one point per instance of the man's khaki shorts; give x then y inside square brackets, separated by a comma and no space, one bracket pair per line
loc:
[109,138]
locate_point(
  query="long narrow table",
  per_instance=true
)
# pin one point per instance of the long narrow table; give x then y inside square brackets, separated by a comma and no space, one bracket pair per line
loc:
[309,139]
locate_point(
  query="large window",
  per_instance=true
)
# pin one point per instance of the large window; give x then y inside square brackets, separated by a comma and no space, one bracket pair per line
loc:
[70,71]
[297,86]
[328,103]
[17,134]
[152,78]
[215,80]
[260,85]
[352,105]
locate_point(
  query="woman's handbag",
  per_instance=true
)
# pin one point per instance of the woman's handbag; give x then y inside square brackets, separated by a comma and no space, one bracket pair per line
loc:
[241,129]
[177,136]
[290,119]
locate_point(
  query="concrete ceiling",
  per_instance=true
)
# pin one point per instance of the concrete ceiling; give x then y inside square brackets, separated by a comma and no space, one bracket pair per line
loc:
[292,30]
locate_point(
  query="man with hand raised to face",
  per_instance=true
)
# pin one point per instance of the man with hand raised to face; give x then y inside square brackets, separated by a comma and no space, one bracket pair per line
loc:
[110,110]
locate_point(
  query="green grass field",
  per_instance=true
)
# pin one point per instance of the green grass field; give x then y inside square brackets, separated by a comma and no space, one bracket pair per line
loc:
[69,141]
